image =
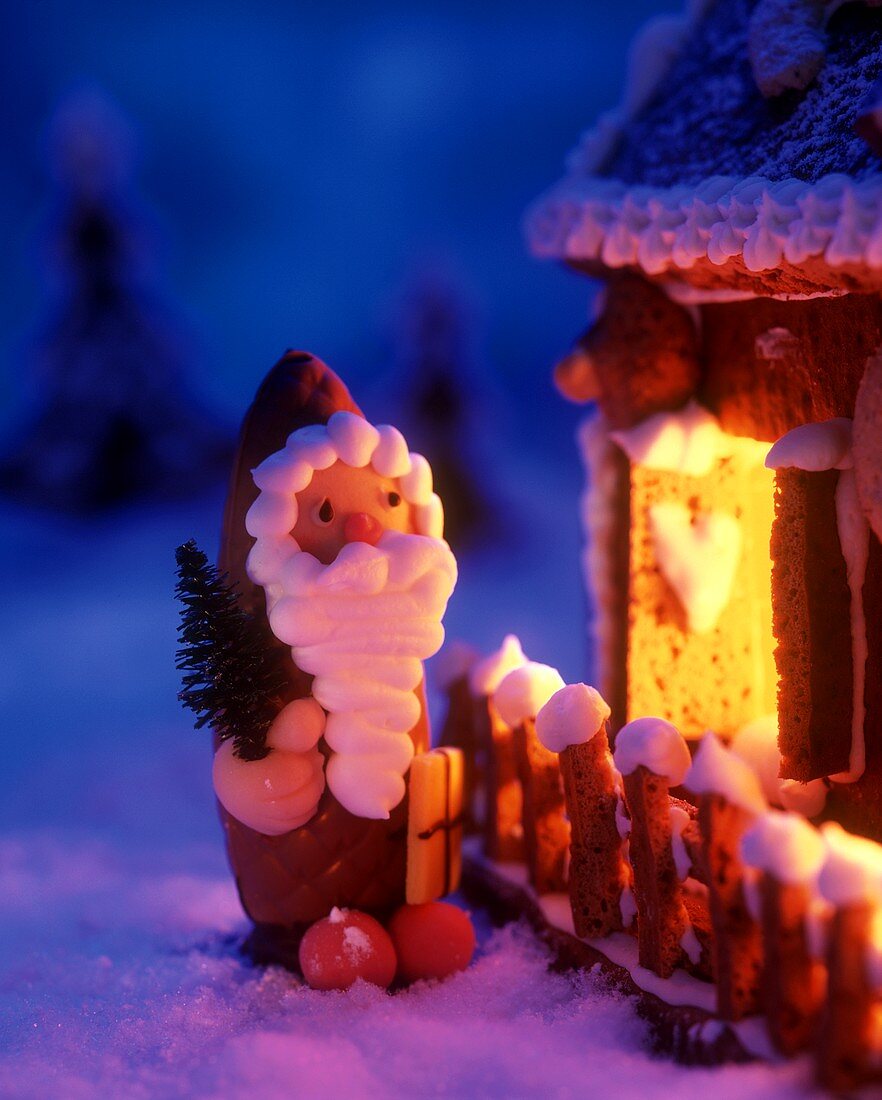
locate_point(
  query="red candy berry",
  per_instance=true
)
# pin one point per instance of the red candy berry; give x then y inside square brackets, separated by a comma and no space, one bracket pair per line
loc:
[345,946]
[433,940]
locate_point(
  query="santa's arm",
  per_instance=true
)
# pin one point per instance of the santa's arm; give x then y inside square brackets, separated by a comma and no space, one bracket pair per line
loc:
[280,792]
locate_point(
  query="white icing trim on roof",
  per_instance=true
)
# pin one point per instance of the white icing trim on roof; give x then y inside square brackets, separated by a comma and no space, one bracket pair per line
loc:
[755,219]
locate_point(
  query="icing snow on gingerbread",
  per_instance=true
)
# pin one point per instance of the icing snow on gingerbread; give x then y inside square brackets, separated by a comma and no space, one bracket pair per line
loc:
[572,716]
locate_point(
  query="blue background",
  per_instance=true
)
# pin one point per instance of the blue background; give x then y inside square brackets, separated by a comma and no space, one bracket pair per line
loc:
[303,162]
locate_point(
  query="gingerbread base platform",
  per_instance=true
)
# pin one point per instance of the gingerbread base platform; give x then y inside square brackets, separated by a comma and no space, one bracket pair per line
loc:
[679,1010]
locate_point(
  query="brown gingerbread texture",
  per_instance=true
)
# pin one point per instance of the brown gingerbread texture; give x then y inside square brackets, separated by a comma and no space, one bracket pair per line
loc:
[661,915]
[639,358]
[772,365]
[287,882]
[847,1030]
[597,870]
[811,601]
[503,813]
[792,981]
[868,443]
[546,829]
[812,604]
[738,948]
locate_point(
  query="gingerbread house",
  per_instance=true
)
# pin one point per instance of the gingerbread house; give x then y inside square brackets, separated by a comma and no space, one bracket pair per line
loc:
[732,207]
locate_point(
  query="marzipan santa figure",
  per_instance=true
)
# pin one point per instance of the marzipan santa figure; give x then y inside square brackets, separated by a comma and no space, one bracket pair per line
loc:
[331,531]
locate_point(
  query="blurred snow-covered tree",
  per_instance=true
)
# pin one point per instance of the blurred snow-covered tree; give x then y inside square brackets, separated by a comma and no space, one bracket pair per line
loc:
[442,398]
[113,418]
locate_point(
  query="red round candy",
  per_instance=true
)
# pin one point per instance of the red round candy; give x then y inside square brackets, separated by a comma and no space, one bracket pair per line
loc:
[433,940]
[345,946]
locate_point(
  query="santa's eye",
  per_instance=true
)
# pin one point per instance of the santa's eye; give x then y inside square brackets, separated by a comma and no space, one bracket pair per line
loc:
[324,513]
[394,499]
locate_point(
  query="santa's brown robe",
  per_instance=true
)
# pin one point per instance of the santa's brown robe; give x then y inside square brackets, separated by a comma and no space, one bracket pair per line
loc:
[287,882]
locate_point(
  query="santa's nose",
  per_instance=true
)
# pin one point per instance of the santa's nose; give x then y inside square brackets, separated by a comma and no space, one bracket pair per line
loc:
[360,527]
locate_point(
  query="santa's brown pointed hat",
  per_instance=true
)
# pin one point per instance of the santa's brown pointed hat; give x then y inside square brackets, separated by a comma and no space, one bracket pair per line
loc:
[287,882]
[298,391]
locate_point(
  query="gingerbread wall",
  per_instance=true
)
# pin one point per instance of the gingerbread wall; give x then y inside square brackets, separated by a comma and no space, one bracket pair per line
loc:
[765,367]
[770,365]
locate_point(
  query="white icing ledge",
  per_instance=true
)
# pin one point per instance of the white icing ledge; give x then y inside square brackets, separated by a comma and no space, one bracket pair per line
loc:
[689,441]
[762,222]
[825,445]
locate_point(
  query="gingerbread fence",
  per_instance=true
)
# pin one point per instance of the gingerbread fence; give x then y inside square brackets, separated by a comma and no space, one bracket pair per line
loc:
[685,855]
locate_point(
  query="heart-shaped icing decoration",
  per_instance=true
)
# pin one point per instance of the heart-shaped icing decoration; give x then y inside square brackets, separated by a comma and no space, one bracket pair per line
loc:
[698,556]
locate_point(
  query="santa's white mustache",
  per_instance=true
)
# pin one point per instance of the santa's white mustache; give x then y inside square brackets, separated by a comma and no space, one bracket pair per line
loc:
[362,626]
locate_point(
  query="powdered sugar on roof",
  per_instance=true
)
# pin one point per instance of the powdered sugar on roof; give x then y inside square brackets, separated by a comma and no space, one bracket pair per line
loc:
[707,171]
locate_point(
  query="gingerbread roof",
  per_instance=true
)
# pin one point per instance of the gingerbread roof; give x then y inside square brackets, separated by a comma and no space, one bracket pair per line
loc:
[733,165]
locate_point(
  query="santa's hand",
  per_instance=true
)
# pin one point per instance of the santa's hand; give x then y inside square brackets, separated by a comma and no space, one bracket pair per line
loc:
[297,727]
[273,795]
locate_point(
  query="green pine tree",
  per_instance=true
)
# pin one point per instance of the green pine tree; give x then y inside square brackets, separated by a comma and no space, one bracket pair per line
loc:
[233,673]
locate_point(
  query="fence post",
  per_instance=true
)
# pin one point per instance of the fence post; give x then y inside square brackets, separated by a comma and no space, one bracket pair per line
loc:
[573,724]
[518,699]
[851,880]
[787,853]
[651,756]
[503,833]
[730,799]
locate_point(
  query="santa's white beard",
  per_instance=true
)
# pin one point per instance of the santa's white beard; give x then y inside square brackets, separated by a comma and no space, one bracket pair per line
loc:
[362,626]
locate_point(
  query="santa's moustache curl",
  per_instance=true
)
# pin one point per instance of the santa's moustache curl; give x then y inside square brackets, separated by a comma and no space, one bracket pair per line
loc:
[363,625]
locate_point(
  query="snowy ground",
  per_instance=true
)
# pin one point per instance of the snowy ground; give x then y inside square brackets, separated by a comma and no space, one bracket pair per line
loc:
[118,969]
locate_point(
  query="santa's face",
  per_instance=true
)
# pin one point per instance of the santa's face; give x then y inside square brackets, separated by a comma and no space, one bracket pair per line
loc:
[344,504]
[348,551]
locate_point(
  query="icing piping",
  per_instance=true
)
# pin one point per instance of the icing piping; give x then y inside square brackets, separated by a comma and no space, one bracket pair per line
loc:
[852,870]
[364,679]
[691,946]
[572,716]
[854,537]
[760,221]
